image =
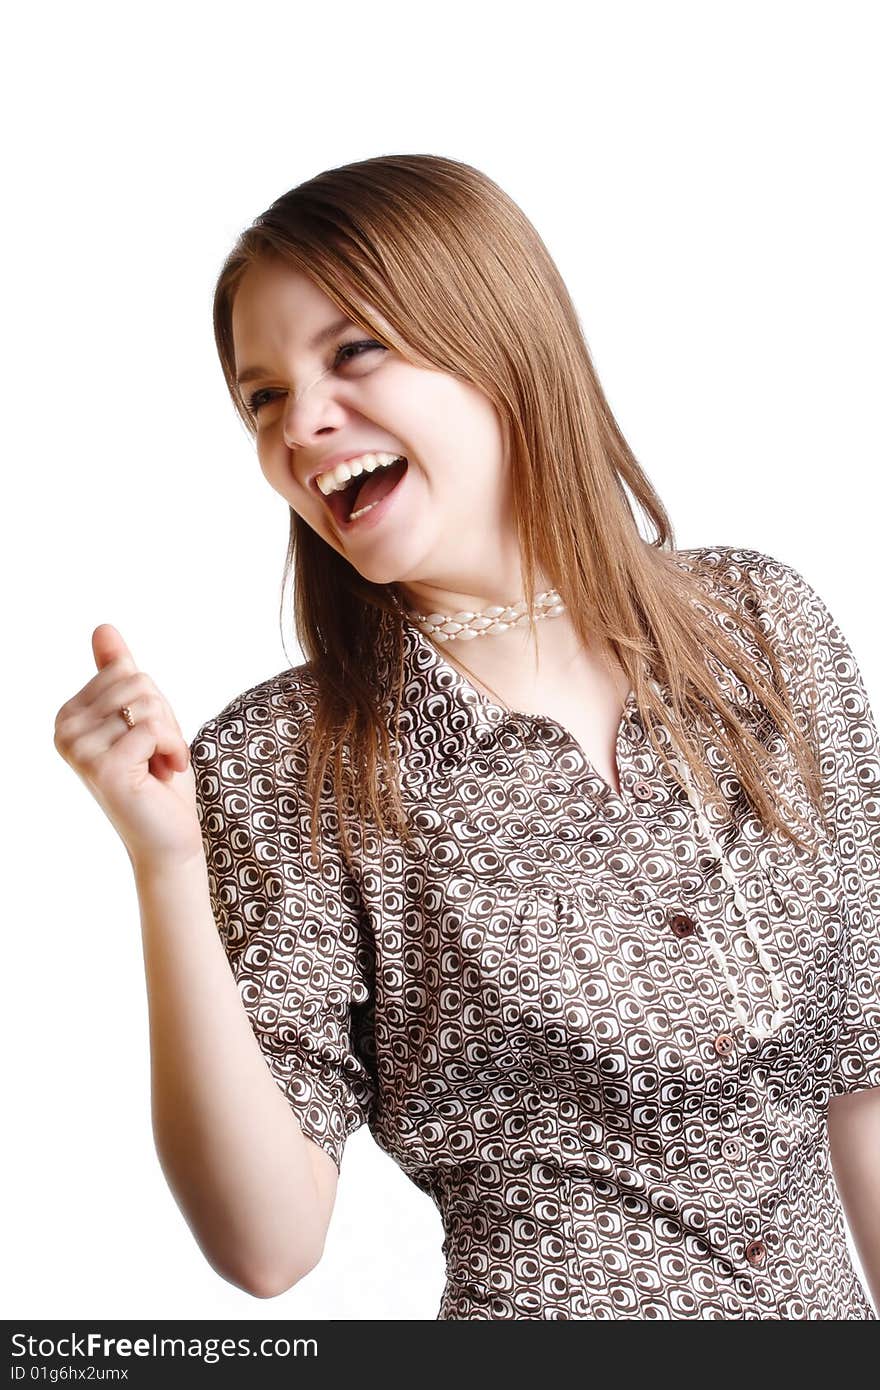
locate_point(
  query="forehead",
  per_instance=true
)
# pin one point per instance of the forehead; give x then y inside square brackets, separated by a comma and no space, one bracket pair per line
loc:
[278,311]
[276,302]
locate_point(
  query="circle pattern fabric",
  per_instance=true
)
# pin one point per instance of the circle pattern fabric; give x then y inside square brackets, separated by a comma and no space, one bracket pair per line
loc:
[526,1007]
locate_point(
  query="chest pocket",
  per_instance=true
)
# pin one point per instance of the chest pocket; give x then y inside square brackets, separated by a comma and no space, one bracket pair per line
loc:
[532,965]
[590,970]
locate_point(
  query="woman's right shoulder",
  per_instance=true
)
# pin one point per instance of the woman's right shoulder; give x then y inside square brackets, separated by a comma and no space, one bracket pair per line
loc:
[275,712]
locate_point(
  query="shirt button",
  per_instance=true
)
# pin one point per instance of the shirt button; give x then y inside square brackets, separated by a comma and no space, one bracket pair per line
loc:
[643,790]
[723,1044]
[731,1149]
[755,1252]
[682,925]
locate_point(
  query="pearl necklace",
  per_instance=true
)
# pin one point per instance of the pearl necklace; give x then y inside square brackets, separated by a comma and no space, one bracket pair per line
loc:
[446,627]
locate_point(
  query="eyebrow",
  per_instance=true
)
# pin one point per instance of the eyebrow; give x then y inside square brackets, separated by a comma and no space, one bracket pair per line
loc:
[330,331]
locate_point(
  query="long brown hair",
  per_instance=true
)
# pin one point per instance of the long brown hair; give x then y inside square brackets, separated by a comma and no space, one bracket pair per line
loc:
[468,287]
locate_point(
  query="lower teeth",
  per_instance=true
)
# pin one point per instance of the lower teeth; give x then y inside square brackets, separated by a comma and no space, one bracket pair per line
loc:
[362,510]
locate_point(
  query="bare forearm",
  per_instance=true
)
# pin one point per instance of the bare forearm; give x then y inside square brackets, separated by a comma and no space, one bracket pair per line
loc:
[230,1148]
[854,1140]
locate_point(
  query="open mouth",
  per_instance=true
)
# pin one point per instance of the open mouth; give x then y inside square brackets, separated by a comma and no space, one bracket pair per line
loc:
[364,493]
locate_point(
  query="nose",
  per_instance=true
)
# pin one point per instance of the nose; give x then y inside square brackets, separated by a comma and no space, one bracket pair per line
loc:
[307,413]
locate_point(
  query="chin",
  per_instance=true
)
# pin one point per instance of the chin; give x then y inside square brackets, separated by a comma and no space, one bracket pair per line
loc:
[380,572]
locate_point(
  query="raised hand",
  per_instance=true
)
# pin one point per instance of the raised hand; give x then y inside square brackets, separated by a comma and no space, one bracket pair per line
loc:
[141,776]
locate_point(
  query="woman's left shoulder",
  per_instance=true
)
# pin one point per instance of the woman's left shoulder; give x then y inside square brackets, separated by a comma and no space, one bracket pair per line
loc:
[768,583]
[736,563]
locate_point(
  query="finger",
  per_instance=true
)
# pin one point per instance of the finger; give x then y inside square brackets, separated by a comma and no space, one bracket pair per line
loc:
[108,646]
[133,691]
[166,759]
[172,753]
[109,749]
[89,731]
[147,705]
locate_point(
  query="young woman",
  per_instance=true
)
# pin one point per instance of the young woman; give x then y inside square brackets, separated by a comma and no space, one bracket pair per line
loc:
[557,862]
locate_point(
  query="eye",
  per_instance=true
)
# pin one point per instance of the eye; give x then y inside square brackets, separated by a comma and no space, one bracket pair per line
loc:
[260,398]
[367,345]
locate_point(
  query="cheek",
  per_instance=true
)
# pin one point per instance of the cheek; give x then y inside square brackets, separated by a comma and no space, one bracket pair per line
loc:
[274,457]
[274,468]
[457,431]
[415,405]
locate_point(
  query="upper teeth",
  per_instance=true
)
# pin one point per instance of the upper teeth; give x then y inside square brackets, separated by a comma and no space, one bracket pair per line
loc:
[339,477]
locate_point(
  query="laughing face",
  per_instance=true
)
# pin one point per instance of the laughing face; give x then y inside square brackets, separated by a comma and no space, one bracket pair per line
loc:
[321,391]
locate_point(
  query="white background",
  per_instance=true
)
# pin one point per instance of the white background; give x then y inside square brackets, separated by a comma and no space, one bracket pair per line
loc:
[705,176]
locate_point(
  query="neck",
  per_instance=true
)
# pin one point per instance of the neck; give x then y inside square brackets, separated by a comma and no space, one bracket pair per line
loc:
[499,591]
[522,673]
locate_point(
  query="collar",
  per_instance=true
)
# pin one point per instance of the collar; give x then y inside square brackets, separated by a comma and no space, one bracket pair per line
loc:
[442,715]
[441,712]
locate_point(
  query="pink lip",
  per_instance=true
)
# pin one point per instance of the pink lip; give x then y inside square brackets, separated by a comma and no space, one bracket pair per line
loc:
[336,459]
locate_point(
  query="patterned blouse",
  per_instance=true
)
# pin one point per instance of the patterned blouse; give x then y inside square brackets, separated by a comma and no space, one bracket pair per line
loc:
[557,1011]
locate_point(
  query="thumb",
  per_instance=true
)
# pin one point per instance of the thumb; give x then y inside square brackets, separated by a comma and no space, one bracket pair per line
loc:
[107,646]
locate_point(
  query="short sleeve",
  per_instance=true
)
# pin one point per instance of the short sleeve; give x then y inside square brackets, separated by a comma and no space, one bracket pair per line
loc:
[841,715]
[292,932]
